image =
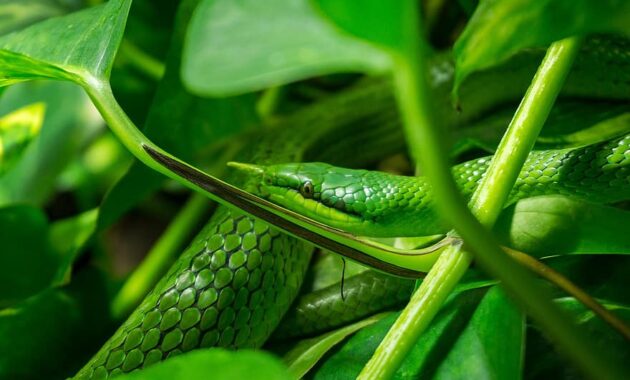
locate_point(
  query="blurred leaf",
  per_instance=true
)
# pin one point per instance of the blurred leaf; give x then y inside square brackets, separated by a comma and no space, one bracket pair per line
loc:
[218,363]
[552,225]
[76,47]
[67,238]
[27,264]
[17,14]
[235,47]
[500,28]
[50,335]
[17,129]
[181,123]
[69,121]
[308,352]
[425,357]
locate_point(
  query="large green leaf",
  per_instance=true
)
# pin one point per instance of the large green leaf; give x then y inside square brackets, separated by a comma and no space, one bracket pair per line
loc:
[77,47]
[216,363]
[552,225]
[234,47]
[481,352]
[51,335]
[27,262]
[500,28]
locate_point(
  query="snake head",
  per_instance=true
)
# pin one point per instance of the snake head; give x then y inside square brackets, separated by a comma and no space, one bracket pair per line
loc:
[313,190]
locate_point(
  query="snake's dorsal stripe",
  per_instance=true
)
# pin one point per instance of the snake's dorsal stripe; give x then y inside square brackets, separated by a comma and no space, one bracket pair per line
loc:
[261,208]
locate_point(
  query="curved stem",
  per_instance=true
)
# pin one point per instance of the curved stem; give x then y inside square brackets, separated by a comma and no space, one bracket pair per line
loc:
[161,255]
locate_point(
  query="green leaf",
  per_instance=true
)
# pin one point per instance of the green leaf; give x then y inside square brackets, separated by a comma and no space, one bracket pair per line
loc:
[27,264]
[498,29]
[308,352]
[491,346]
[17,14]
[384,23]
[17,129]
[181,123]
[67,238]
[543,362]
[235,47]
[77,47]
[551,225]
[61,327]
[426,356]
[221,364]
[69,122]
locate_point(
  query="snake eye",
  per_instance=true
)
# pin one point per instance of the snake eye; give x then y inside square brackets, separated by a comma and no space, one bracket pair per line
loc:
[307,189]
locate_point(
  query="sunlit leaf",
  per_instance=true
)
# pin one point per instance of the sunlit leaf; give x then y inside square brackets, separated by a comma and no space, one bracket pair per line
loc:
[270,43]
[220,363]
[500,28]
[17,129]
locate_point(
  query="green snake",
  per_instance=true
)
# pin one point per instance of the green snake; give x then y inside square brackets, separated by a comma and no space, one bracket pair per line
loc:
[239,276]
[378,204]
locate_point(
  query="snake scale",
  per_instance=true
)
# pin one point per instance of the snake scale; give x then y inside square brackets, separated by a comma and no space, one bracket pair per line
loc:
[238,277]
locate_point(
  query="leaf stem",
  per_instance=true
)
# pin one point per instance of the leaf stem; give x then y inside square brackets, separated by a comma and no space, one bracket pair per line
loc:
[161,255]
[423,133]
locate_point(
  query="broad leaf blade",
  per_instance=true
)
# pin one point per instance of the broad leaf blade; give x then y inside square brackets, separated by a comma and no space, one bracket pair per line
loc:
[498,29]
[270,43]
[551,225]
[73,47]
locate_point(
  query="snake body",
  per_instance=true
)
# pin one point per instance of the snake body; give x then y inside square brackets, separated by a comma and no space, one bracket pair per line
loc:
[238,277]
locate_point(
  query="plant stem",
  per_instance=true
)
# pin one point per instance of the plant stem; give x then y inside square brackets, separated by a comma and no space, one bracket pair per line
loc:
[423,134]
[142,61]
[493,191]
[157,261]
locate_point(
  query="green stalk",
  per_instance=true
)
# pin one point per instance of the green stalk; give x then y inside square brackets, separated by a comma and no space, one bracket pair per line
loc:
[493,191]
[142,61]
[423,134]
[160,257]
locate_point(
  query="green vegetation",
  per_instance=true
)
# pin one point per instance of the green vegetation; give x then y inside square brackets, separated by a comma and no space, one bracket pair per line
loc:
[155,222]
